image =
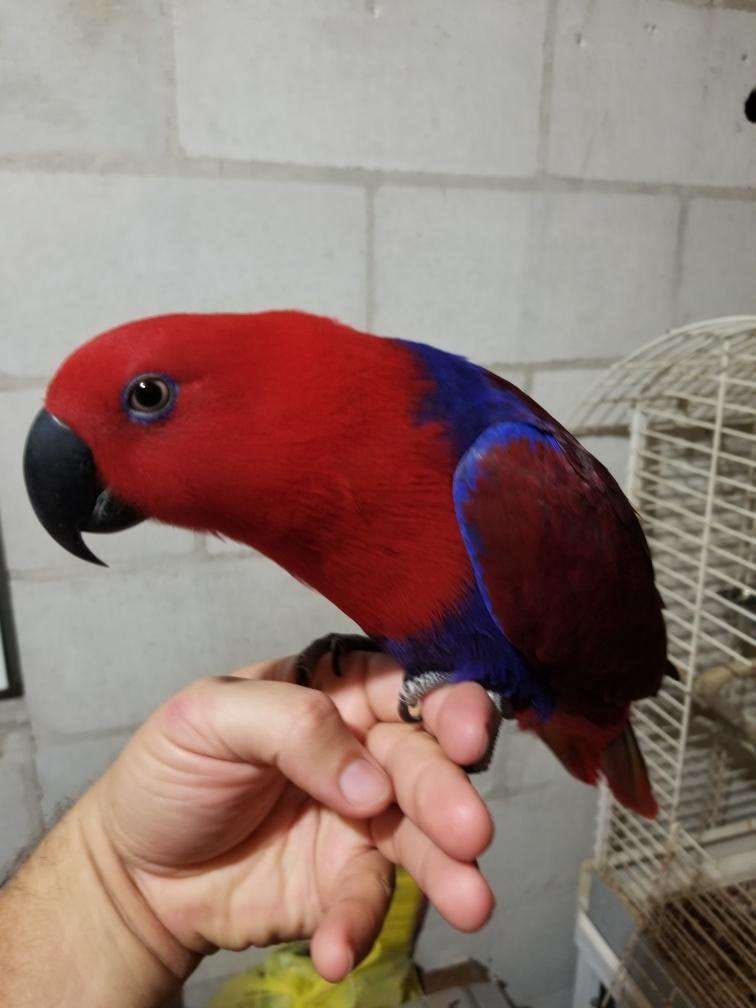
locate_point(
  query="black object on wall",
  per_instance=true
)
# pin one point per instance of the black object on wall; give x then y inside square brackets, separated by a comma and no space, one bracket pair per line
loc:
[8,633]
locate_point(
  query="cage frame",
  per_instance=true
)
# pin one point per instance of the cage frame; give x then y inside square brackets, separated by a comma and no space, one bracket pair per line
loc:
[671,874]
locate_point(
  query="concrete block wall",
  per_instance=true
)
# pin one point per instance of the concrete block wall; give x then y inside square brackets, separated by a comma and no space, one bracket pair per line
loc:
[540,184]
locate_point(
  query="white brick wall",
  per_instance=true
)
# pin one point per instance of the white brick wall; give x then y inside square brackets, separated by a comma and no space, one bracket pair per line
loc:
[451,267]
[152,629]
[600,276]
[653,91]
[539,184]
[20,815]
[83,78]
[719,264]
[505,276]
[416,84]
[80,253]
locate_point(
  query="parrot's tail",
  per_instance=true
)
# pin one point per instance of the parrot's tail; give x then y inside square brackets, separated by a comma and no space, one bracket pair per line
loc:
[587,750]
[625,770]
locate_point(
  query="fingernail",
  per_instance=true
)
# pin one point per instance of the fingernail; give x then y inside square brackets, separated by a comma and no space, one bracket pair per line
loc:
[363,784]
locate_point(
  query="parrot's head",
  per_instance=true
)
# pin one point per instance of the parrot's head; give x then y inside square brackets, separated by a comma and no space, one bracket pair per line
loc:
[148,420]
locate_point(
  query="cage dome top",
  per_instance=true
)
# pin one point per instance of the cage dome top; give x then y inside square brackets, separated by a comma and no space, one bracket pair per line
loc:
[683,363]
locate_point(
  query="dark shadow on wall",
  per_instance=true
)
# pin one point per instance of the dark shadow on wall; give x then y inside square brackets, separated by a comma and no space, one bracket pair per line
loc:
[8,627]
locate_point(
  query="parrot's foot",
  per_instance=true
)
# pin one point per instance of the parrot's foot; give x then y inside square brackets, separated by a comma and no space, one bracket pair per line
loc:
[414,689]
[417,687]
[337,645]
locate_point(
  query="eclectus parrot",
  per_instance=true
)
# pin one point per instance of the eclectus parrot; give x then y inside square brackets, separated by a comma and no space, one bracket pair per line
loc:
[464,529]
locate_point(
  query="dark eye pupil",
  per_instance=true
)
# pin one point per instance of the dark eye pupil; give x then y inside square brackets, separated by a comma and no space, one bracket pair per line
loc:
[148,394]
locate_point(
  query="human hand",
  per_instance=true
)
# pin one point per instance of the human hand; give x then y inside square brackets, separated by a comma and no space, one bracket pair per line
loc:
[248,810]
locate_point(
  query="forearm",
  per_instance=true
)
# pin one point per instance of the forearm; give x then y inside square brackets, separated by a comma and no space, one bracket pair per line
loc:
[74,931]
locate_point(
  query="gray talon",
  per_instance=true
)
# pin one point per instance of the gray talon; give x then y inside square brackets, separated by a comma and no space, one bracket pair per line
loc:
[337,645]
[416,688]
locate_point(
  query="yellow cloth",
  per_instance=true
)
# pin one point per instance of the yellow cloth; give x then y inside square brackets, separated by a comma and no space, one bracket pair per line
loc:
[385,979]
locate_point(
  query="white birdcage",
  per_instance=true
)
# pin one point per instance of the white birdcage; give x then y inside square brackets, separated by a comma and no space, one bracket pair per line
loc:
[688,402]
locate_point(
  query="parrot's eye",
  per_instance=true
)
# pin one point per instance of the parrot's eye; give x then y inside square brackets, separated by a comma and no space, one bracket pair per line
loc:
[149,397]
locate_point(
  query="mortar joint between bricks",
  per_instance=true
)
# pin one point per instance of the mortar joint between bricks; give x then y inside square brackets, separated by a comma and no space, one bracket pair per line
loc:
[679,257]
[189,167]
[370,275]
[547,84]
[554,364]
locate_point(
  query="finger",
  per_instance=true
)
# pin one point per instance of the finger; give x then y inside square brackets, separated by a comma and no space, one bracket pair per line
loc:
[433,792]
[352,921]
[463,719]
[368,681]
[363,673]
[277,724]
[461,716]
[457,890]
[276,669]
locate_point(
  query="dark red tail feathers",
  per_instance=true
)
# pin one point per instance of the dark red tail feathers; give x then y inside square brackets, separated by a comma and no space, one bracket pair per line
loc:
[623,766]
[587,750]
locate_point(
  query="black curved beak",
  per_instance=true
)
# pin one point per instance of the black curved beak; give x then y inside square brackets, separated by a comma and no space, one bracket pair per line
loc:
[64,489]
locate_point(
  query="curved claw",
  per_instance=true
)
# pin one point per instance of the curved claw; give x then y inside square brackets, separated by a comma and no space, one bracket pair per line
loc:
[414,688]
[335,644]
[406,714]
[346,644]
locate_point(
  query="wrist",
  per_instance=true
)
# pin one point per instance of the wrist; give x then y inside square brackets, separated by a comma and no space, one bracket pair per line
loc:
[75,931]
[155,952]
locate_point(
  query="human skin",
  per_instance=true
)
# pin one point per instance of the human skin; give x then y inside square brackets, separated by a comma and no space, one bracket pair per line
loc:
[249,810]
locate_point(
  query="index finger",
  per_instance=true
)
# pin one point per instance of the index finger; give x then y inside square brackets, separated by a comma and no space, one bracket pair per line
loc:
[460,716]
[292,728]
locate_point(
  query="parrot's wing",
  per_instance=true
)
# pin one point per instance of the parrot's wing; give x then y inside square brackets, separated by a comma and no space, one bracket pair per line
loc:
[562,563]
[564,569]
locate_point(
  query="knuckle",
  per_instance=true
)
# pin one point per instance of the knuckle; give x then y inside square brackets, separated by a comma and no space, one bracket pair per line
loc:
[202,692]
[316,713]
[191,705]
[357,664]
[381,881]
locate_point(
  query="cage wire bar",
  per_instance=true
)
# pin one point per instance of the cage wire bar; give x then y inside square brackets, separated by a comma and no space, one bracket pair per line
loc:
[688,402]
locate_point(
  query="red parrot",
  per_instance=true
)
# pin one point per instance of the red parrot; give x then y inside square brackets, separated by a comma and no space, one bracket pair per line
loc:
[463,528]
